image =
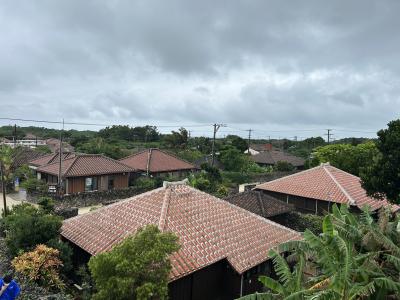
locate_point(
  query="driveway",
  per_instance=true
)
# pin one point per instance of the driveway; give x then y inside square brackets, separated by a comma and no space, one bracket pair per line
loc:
[10,202]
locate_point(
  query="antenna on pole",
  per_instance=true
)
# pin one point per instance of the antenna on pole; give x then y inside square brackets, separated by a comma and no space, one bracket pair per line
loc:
[216,127]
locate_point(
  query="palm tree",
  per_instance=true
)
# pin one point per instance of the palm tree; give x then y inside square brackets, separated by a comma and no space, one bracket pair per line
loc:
[353,258]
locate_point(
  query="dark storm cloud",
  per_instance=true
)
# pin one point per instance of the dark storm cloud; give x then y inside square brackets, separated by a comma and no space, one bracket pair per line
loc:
[269,64]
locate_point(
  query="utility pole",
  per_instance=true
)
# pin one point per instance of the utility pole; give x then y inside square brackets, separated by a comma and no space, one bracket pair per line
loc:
[216,127]
[329,134]
[248,144]
[60,153]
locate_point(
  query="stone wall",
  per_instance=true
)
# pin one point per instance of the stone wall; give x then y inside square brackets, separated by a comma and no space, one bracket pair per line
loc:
[89,198]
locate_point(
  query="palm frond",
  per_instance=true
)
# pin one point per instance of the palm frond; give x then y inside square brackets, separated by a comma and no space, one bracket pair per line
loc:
[272,284]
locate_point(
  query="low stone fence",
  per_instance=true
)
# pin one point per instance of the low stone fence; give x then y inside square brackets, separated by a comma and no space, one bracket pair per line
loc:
[88,198]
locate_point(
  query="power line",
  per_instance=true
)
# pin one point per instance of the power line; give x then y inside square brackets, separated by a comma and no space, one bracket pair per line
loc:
[95,124]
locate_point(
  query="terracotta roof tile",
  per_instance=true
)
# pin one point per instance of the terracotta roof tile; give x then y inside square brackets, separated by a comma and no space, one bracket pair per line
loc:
[209,229]
[50,158]
[156,160]
[272,157]
[327,183]
[86,165]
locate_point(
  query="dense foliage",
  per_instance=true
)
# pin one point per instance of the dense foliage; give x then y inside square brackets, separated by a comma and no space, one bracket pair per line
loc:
[138,268]
[349,158]
[41,265]
[355,257]
[382,176]
[27,226]
[300,222]
[177,139]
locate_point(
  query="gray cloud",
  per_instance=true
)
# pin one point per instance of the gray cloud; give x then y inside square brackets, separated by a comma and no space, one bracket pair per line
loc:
[266,64]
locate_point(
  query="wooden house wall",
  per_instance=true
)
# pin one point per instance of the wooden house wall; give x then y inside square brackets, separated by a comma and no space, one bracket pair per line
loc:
[121,181]
[302,204]
[77,184]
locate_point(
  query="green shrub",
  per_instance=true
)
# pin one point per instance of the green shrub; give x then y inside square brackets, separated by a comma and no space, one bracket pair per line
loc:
[300,222]
[236,177]
[32,185]
[46,204]
[28,226]
[65,254]
[145,183]
[283,166]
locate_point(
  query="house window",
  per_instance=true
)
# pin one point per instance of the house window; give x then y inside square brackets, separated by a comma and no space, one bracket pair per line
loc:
[90,184]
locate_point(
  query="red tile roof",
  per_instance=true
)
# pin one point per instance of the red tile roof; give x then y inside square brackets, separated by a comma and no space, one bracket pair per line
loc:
[261,147]
[50,158]
[86,165]
[156,160]
[209,229]
[272,157]
[259,203]
[327,183]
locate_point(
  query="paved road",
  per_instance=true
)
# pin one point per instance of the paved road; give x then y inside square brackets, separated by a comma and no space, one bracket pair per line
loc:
[10,202]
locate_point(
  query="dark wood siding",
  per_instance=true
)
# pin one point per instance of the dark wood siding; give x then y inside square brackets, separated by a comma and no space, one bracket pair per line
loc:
[121,181]
[76,185]
[302,204]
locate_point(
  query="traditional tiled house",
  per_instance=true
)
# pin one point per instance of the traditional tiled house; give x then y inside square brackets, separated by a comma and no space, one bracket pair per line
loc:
[258,148]
[224,248]
[261,204]
[271,158]
[157,162]
[315,190]
[48,159]
[86,173]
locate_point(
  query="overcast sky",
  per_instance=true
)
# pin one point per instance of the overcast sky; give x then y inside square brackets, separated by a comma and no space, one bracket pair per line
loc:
[283,68]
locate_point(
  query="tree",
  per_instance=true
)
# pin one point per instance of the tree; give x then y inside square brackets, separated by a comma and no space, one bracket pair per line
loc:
[283,166]
[177,139]
[138,268]
[355,257]
[233,159]
[381,178]
[346,157]
[237,142]
[119,132]
[41,266]
[28,226]
[101,146]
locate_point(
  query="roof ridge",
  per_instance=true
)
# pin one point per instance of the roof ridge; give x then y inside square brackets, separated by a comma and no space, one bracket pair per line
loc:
[351,200]
[75,158]
[116,161]
[244,210]
[260,202]
[116,203]
[149,153]
[56,162]
[164,210]
[175,156]
[133,154]
[285,177]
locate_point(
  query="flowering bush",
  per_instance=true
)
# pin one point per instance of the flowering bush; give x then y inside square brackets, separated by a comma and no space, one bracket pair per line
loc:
[41,265]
